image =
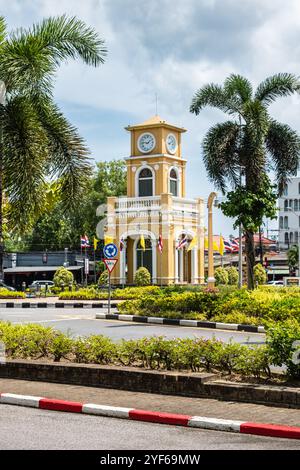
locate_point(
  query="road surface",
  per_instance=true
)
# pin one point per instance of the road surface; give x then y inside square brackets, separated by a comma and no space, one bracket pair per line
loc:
[26,428]
[82,322]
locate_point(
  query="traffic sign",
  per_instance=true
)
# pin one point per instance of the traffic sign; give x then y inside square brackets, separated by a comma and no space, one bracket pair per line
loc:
[110,264]
[110,250]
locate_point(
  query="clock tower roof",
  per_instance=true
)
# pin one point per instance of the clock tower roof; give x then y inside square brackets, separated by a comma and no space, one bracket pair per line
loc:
[155,121]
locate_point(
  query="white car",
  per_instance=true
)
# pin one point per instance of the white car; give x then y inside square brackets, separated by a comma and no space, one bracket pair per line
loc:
[41,284]
[275,283]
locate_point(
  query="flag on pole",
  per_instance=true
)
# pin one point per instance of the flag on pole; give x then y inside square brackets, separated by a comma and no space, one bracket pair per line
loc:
[142,242]
[221,246]
[235,246]
[215,244]
[85,242]
[182,243]
[95,243]
[206,243]
[108,239]
[122,244]
[160,244]
[227,246]
[193,243]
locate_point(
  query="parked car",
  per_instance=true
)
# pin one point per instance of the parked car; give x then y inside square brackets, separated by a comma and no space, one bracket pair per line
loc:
[5,286]
[275,283]
[36,285]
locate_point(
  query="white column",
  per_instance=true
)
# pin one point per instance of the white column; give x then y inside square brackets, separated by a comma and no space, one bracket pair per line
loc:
[194,262]
[181,270]
[153,245]
[176,265]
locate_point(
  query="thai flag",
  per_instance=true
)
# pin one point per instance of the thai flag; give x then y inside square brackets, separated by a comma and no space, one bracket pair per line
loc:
[122,244]
[85,242]
[182,243]
[160,244]
[235,246]
[228,246]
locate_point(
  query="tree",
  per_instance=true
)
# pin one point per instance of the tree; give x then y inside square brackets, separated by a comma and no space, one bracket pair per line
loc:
[37,143]
[233,276]
[260,275]
[250,142]
[293,257]
[221,276]
[63,277]
[142,277]
[56,229]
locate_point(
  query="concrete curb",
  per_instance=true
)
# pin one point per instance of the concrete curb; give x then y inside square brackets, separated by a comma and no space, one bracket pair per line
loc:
[177,322]
[259,429]
[54,305]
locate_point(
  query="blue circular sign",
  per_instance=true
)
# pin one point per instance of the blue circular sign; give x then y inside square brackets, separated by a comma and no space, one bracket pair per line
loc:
[110,250]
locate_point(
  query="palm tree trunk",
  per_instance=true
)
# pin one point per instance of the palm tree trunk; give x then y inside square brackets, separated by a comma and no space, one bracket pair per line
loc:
[1,207]
[250,254]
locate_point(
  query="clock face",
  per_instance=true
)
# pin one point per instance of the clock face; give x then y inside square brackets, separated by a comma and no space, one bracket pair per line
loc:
[146,142]
[171,143]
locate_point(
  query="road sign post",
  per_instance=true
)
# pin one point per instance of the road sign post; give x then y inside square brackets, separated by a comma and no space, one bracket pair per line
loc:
[110,265]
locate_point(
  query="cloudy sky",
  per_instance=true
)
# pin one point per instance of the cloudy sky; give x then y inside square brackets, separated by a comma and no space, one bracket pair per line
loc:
[168,47]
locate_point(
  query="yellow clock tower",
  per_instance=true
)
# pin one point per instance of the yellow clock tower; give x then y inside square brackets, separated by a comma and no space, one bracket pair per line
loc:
[155,226]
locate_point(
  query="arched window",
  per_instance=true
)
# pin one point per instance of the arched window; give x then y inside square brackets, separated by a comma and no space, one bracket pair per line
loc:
[286,238]
[286,222]
[286,204]
[296,235]
[296,206]
[291,237]
[173,182]
[280,222]
[145,187]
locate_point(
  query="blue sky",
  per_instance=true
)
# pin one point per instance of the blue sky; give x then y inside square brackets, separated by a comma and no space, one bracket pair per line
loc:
[168,47]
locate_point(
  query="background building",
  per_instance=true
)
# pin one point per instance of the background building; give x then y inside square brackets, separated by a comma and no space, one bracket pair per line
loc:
[289,214]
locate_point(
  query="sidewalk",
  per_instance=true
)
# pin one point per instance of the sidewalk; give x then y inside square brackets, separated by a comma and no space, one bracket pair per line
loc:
[163,403]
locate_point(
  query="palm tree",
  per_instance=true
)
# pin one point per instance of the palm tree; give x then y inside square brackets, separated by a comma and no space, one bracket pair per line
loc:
[37,143]
[293,257]
[251,141]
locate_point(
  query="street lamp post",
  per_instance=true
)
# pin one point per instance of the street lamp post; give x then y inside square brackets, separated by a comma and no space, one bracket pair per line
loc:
[211,278]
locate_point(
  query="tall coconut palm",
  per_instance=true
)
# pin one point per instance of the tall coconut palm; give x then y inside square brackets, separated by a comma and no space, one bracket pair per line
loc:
[37,143]
[251,140]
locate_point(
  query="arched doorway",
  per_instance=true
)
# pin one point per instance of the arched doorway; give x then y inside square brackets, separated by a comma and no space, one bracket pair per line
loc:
[144,257]
[186,261]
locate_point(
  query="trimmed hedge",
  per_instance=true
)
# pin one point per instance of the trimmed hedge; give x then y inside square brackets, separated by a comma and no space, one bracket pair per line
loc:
[11,294]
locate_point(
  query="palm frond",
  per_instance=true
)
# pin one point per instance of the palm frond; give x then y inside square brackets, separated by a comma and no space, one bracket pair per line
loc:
[283,145]
[215,96]
[238,86]
[2,29]
[221,154]
[24,160]
[278,85]
[68,155]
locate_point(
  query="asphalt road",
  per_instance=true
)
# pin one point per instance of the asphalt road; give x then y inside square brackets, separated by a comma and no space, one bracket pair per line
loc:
[82,322]
[26,428]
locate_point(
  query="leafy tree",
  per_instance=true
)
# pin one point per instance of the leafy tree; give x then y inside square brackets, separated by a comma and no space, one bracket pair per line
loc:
[250,142]
[293,257]
[142,277]
[260,275]
[37,141]
[233,276]
[63,276]
[55,229]
[221,276]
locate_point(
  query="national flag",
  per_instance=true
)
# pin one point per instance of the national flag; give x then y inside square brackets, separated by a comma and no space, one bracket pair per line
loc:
[206,243]
[228,247]
[122,244]
[95,243]
[182,243]
[85,242]
[108,239]
[221,246]
[215,244]
[235,246]
[160,244]
[142,242]
[193,243]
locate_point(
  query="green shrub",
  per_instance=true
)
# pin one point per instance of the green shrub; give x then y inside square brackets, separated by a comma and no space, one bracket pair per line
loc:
[89,293]
[142,277]
[60,347]
[260,275]
[233,276]
[103,278]
[63,277]
[11,294]
[282,350]
[221,276]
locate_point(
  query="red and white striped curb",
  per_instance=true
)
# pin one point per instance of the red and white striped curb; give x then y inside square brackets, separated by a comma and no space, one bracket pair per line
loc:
[272,430]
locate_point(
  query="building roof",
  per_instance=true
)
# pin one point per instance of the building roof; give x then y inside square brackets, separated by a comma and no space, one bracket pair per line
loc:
[155,121]
[34,269]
